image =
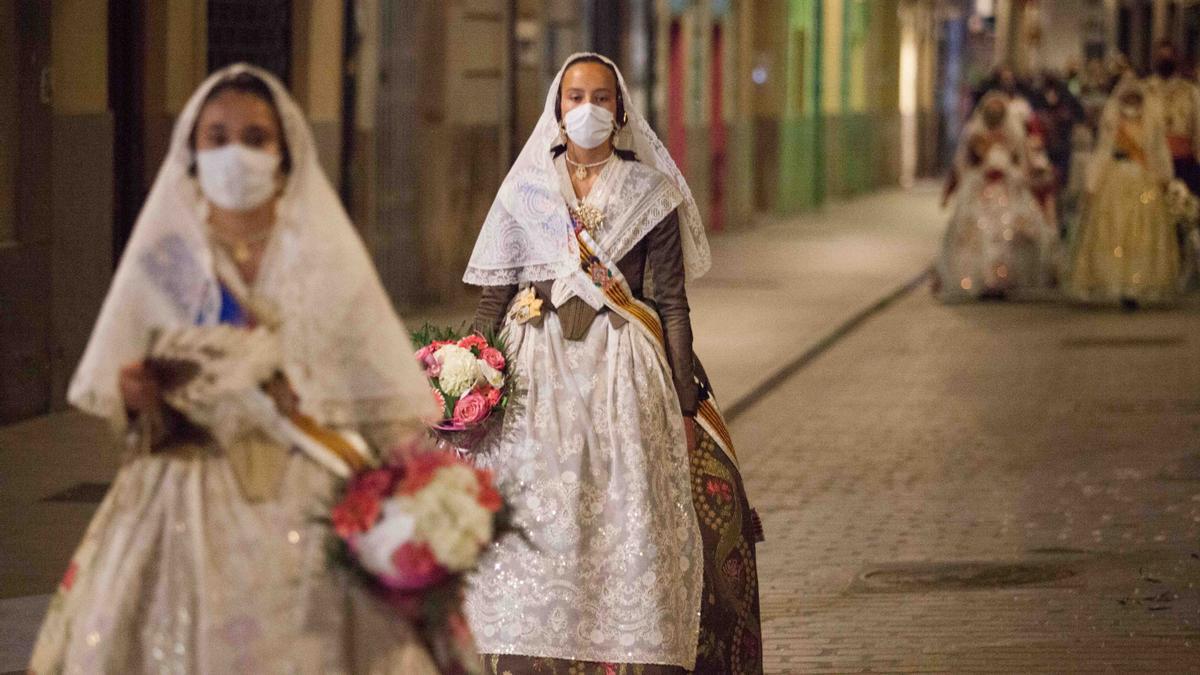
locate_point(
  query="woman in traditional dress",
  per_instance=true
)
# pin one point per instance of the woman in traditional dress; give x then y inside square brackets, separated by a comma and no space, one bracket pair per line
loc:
[1126,250]
[997,241]
[640,551]
[207,557]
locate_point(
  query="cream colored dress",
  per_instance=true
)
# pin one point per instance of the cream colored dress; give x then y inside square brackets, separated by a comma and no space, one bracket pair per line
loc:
[1126,247]
[179,573]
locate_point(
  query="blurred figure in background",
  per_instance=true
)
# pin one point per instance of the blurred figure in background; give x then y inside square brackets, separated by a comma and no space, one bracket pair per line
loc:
[1125,250]
[997,240]
[1017,92]
[1180,102]
[1057,113]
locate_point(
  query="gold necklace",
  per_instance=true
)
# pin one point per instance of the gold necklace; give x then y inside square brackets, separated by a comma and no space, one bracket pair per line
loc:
[582,169]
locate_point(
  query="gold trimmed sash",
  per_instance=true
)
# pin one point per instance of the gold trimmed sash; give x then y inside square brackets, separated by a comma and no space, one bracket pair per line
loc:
[605,274]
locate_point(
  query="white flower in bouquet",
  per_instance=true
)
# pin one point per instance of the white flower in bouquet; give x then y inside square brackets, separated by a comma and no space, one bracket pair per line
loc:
[460,369]
[488,374]
[451,519]
[1182,204]
[394,529]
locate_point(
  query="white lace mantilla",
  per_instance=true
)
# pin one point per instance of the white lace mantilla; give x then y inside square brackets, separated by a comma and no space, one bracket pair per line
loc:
[527,236]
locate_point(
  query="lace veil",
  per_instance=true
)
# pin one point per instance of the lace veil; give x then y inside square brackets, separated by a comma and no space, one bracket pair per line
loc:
[345,350]
[525,236]
[1153,138]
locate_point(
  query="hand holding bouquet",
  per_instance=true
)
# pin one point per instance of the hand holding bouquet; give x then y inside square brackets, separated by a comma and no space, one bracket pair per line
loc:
[411,532]
[468,376]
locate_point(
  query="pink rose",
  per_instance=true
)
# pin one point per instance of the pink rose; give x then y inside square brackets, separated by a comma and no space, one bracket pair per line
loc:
[493,357]
[416,568]
[471,409]
[426,357]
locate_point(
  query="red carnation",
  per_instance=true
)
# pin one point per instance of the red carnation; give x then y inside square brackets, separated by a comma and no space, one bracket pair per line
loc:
[492,395]
[356,513]
[473,342]
[421,469]
[489,498]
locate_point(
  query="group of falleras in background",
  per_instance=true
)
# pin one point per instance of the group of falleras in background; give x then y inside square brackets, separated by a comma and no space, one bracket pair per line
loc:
[1130,237]
[637,546]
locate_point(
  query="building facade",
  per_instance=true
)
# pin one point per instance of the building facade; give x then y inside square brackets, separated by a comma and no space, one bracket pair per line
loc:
[418,108]
[89,90]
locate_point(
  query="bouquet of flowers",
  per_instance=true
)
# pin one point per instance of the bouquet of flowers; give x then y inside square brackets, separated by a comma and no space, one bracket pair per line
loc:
[469,378]
[1183,205]
[411,531]
[1184,208]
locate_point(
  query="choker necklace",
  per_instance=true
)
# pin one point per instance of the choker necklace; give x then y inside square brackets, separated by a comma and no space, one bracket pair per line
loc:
[240,248]
[581,169]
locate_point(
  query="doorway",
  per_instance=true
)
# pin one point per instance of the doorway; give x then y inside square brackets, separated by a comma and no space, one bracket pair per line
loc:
[25,200]
[676,98]
[718,134]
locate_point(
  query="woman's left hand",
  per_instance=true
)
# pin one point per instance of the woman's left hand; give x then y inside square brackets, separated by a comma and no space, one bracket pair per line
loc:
[689,432]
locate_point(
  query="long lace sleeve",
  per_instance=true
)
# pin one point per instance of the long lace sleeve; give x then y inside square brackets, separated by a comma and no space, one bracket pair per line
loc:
[665,255]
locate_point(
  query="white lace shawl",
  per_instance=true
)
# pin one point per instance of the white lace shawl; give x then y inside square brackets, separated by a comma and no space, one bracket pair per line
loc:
[345,350]
[527,233]
[1153,137]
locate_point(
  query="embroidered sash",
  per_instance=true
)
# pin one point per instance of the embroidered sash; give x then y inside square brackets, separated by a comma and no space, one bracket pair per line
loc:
[341,452]
[607,277]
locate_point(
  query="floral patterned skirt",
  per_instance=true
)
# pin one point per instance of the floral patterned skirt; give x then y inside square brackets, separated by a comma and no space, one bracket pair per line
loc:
[730,635]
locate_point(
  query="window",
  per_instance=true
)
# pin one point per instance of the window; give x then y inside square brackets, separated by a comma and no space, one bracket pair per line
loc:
[254,31]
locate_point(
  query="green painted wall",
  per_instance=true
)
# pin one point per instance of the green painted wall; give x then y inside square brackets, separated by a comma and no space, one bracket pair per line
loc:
[801,133]
[835,138]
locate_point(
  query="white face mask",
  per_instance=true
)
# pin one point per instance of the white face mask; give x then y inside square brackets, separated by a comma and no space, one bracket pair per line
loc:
[237,178]
[588,125]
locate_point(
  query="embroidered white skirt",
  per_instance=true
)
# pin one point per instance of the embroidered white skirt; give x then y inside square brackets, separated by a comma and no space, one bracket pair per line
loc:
[593,457]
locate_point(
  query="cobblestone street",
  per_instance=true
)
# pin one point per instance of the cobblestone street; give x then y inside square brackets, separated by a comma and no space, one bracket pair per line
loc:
[1058,442]
[980,488]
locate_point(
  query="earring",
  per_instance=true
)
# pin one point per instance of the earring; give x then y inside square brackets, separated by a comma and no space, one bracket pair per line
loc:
[562,134]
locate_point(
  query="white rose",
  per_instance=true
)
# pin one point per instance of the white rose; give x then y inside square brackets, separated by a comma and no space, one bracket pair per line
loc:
[455,478]
[459,369]
[456,551]
[394,529]
[490,375]
[450,518]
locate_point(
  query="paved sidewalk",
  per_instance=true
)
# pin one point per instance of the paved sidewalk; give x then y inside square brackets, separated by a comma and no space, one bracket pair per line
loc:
[775,290]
